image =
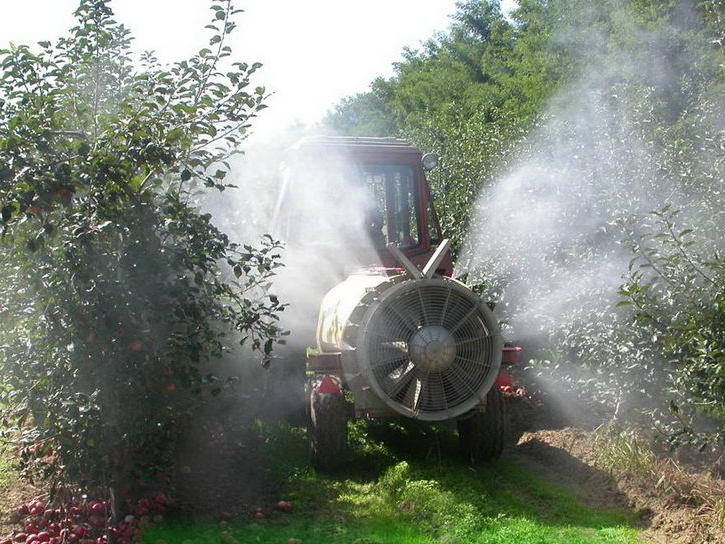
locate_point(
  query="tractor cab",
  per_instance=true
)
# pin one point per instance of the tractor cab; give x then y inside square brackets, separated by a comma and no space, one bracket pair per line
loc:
[364,193]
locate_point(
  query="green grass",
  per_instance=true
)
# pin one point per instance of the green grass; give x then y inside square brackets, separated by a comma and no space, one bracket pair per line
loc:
[429,498]
[8,473]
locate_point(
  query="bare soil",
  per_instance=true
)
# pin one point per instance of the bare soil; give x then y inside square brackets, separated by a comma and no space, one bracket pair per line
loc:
[12,495]
[674,507]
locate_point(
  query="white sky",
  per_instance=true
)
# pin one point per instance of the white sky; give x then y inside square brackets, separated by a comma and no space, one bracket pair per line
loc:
[314,52]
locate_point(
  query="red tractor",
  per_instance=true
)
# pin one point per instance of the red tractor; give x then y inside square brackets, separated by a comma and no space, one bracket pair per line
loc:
[400,337]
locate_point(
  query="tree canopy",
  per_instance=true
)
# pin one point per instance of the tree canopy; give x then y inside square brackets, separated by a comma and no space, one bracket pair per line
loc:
[118,290]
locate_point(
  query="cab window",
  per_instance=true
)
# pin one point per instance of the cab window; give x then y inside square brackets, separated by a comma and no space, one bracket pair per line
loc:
[393,215]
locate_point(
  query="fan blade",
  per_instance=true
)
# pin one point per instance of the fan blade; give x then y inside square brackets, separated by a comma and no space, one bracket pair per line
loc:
[472,339]
[486,362]
[444,310]
[402,382]
[463,320]
[411,395]
[424,321]
[459,382]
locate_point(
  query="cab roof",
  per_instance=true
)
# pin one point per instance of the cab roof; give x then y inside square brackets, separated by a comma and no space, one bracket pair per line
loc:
[354,143]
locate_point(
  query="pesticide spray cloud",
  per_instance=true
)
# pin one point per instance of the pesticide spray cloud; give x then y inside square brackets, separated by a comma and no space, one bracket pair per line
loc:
[546,237]
[311,199]
[547,229]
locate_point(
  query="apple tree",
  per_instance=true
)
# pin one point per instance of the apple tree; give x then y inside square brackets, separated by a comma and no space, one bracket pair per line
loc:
[117,290]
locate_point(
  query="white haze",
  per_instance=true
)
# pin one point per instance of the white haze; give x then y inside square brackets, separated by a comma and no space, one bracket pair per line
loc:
[544,236]
[314,204]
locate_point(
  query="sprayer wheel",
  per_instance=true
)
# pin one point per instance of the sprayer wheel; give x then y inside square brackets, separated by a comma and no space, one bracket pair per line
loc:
[327,429]
[481,432]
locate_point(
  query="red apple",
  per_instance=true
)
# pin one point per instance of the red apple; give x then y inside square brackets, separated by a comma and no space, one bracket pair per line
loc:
[98,508]
[284,506]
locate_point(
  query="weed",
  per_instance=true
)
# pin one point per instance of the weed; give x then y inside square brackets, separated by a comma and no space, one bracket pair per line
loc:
[624,451]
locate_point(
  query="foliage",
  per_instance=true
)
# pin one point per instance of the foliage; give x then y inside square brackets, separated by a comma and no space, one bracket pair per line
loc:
[678,297]
[117,290]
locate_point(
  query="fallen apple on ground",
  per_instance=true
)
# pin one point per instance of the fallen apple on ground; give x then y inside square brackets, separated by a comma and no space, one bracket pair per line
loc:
[284,506]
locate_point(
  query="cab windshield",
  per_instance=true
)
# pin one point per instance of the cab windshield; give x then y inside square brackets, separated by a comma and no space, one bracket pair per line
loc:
[337,201]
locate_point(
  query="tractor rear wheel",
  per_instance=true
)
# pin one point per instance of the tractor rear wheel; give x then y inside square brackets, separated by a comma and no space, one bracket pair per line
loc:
[327,429]
[481,432]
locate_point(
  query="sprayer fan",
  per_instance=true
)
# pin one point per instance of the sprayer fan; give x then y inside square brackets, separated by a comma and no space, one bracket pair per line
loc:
[429,348]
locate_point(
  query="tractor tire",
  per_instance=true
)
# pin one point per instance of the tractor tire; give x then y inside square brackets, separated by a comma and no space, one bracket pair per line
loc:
[482,431]
[327,430]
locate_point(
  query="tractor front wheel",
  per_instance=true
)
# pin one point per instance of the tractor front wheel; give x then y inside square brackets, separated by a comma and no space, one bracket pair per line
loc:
[327,429]
[481,432]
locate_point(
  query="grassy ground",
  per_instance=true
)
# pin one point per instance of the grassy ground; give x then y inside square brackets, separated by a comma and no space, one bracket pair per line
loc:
[9,493]
[407,486]
[7,474]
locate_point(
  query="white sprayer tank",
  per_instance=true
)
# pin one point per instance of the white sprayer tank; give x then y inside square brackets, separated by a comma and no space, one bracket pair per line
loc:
[422,347]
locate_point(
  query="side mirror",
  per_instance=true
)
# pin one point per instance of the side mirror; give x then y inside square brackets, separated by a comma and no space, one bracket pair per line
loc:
[430,161]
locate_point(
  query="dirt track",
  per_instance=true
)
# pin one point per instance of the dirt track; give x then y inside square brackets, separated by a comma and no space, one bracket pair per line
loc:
[567,457]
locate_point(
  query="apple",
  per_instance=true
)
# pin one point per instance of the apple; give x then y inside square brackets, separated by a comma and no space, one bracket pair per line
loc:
[97,508]
[284,506]
[136,345]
